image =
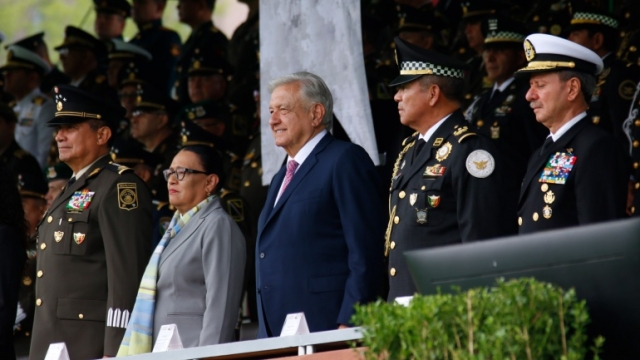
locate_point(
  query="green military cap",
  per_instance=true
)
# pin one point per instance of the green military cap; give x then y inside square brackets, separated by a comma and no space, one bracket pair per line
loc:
[59,171]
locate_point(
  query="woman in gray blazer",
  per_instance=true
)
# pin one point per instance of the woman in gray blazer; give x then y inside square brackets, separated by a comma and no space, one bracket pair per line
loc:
[201,270]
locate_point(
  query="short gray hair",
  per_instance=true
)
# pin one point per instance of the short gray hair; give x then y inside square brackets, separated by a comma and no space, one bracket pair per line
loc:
[587,82]
[312,90]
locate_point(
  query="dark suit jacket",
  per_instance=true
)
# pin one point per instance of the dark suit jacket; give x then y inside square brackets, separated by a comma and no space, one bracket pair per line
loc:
[319,250]
[459,206]
[90,263]
[595,189]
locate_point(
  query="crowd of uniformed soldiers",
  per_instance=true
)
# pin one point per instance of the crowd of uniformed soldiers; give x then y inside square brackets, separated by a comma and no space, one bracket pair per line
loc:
[205,91]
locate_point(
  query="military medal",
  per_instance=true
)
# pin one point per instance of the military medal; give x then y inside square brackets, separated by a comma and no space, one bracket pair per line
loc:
[78,238]
[444,151]
[57,236]
[421,216]
[544,187]
[558,168]
[495,132]
[434,200]
[412,199]
[549,197]
[435,170]
[546,212]
[80,200]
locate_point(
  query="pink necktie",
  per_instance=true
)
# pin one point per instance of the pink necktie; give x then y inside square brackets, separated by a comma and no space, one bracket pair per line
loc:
[292,165]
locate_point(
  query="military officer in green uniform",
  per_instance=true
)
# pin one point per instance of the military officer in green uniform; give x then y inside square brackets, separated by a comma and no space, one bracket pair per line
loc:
[449,184]
[111,18]
[197,14]
[94,240]
[502,113]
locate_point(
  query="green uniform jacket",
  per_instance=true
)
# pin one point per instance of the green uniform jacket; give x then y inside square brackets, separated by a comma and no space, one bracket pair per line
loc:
[90,262]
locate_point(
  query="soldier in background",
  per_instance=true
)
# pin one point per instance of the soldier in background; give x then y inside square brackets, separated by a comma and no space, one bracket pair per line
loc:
[421,27]
[57,177]
[164,44]
[502,113]
[204,35]
[111,17]
[23,74]
[81,54]
[32,191]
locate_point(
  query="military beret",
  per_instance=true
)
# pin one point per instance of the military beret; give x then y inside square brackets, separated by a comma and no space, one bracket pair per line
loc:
[75,105]
[150,98]
[503,31]
[120,7]
[59,171]
[551,53]
[21,58]
[131,152]
[414,62]
[31,42]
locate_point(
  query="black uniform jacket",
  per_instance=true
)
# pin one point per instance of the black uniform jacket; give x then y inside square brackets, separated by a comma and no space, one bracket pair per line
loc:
[94,244]
[593,190]
[458,189]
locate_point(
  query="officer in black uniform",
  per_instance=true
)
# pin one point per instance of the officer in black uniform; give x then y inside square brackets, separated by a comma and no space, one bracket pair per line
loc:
[449,184]
[204,35]
[94,241]
[32,191]
[111,18]
[421,27]
[82,55]
[18,161]
[631,128]
[598,31]
[576,177]
[37,44]
[503,113]
[164,44]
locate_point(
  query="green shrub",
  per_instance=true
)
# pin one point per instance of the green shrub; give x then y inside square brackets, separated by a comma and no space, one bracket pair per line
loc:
[516,319]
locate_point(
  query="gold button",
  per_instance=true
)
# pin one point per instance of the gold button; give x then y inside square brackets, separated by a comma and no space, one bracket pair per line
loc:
[520,220]
[396,220]
[392,271]
[50,219]
[535,216]
[402,194]
[637,185]
[633,209]
[468,96]
[80,316]
[637,122]
[480,123]
[43,246]
[635,165]
[70,219]
[596,120]
[38,302]
[254,165]
[247,183]
[393,245]
[636,143]
[40,273]
[544,187]
[423,188]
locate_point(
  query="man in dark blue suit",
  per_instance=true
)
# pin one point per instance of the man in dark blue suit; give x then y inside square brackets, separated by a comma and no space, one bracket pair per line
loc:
[320,233]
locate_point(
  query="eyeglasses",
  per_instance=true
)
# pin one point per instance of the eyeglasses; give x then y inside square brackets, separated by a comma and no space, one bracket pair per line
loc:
[180,173]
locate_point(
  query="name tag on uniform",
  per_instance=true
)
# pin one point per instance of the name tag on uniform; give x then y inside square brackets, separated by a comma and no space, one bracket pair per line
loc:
[80,200]
[558,168]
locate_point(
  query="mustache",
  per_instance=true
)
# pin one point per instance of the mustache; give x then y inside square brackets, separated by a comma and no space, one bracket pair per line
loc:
[535,104]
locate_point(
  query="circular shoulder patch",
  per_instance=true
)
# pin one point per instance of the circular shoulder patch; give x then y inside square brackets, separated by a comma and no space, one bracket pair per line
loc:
[480,164]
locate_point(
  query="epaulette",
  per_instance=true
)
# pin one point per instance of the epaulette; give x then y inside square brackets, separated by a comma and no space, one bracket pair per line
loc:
[20,153]
[39,100]
[117,168]
[462,132]
[94,172]
[405,141]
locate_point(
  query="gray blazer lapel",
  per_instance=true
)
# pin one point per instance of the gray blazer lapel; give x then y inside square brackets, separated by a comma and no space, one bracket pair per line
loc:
[189,229]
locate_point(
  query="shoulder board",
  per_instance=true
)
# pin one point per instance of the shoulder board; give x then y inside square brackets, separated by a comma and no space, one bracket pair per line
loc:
[462,132]
[224,193]
[39,100]
[117,168]
[410,138]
